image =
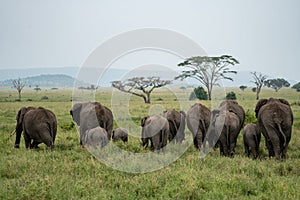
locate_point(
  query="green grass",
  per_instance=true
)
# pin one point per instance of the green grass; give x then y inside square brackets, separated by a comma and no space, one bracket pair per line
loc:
[71,172]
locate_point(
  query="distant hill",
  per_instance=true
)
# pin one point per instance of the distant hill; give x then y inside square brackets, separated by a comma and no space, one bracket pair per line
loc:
[63,76]
[49,80]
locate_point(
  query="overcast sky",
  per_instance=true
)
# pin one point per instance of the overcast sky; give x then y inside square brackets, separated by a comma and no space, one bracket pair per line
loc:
[264,35]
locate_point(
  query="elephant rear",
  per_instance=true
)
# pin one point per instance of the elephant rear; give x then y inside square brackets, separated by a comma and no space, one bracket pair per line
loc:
[95,138]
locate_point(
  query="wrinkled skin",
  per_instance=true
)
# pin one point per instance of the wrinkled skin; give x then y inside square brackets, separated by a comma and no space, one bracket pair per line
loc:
[251,139]
[156,129]
[120,134]
[234,107]
[275,120]
[198,120]
[176,124]
[39,126]
[226,124]
[90,115]
[95,137]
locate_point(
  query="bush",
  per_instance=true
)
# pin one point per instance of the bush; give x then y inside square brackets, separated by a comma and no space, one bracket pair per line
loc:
[44,98]
[198,93]
[231,96]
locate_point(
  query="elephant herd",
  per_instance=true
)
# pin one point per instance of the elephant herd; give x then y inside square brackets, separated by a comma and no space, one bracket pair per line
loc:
[217,128]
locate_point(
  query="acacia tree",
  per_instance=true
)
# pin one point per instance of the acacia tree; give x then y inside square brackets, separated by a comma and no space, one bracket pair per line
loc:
[258,80]
[243,87]
[277,84]
[19,85]
[140,86]
[208,70]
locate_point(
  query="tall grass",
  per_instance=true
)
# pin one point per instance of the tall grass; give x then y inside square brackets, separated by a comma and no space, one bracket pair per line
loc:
[71,172]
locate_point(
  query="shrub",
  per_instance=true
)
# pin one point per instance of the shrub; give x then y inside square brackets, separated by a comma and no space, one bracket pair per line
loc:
[231,96]
[250,117]
[44,98]
[198,93]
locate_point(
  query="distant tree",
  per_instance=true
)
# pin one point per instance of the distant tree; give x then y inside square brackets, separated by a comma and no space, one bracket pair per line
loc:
[276,84]
[253,89]
[19,85]
[243,87]
[258,80]
[208,70]
[37,88]
[140,86]
[231,96]
[198,93]
[297,87]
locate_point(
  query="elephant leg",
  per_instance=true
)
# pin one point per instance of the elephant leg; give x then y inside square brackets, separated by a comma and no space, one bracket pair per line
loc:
[27,139]
[275,141]
[198,139]
[246,147]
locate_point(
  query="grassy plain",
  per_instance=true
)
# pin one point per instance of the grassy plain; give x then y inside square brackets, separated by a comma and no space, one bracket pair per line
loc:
[71,172]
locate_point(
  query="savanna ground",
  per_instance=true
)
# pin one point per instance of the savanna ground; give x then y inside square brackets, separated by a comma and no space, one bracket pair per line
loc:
[71,172]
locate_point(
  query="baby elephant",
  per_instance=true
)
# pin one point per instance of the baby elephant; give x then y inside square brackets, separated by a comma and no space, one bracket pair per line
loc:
[251,139]
[120,134]
[95,137]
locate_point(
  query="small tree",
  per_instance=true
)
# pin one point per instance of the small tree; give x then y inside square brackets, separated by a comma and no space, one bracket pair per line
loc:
[277,84]
[37,88]
[231,96]
[198,93]
[19,85]
[208,70]
[259,80]
[297,87]
[243,87]
[140,86]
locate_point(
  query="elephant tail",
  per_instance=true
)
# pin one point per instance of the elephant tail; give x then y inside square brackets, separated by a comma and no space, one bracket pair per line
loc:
[283,135]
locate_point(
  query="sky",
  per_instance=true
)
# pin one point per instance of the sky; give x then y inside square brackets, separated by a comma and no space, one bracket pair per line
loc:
[263,35]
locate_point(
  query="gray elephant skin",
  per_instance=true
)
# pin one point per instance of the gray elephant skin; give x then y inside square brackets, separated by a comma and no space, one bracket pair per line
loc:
[120,134]
[226,123]
[156,129]
[251,138]
[39,126]
[176,124]
[89,115]
[275,120]
[95,138]
[198,120]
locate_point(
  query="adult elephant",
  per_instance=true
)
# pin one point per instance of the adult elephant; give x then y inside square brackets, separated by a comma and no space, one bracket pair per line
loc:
[226,126]
[234,107]
[198,120]
[275,120]
[39,126]
[156,129]
[176,124]
[89,115]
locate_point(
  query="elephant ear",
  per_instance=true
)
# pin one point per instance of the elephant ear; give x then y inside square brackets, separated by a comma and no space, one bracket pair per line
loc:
[259,104]
[143,121]
[20,115]
[75,112]
[284,101]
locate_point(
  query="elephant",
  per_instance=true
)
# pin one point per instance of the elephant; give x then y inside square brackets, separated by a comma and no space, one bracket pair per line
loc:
[275,120]
[89,115]
[176,124]
[156,129]
[39,126]
[251,139]
[95,137]
[198,120]
[120,134]
[226,125]
[233,106]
